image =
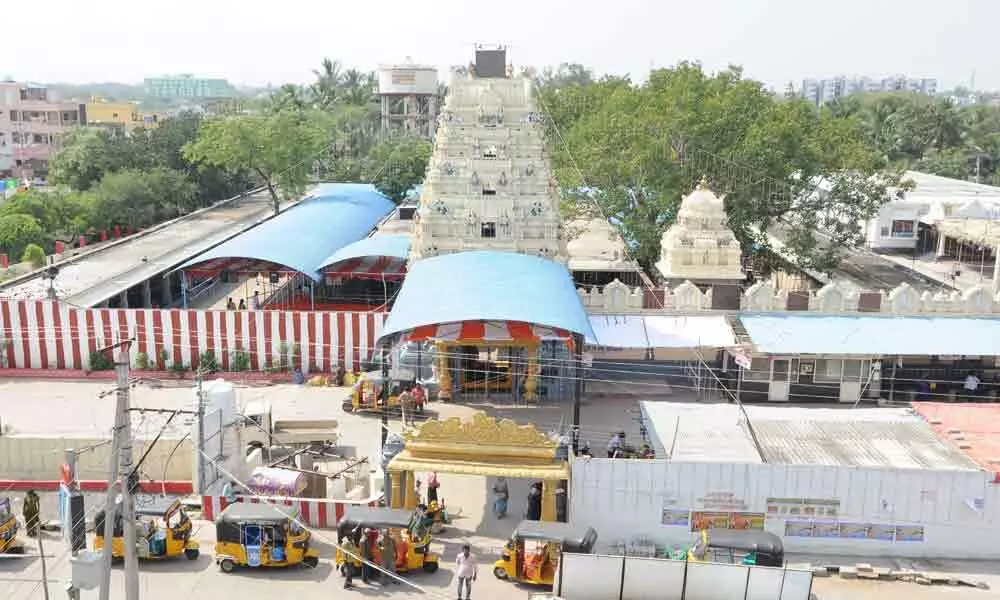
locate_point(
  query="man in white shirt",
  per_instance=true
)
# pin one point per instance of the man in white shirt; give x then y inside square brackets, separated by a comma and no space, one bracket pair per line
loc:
[971,386]
[466,570]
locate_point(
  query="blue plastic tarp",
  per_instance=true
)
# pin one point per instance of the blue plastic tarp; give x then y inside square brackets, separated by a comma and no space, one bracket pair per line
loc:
[488,286]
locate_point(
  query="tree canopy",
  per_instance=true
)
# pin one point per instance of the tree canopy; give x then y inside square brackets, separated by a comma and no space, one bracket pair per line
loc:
[632,151]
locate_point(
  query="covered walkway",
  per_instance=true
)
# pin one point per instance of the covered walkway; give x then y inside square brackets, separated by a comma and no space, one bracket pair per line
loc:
[500,322]
[287,252]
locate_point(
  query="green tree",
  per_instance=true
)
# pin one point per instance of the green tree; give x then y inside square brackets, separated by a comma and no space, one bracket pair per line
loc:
[396,165]
[278,148]
[635,150]
[62,214]
[141,198]
[17,231]
[86,155]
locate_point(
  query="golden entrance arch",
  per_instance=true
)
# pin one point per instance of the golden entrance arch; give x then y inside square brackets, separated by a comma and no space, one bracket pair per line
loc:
[482,446]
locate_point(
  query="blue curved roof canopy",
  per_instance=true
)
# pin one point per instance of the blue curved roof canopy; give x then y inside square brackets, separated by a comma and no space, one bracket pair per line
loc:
[333,216]
[488,286]
[389,245]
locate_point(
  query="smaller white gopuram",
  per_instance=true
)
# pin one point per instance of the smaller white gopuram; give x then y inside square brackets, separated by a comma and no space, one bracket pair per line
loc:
[700,247]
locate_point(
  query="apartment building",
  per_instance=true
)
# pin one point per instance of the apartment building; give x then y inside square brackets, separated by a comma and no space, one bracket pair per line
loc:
[32,123]
[821,91]
[119,117]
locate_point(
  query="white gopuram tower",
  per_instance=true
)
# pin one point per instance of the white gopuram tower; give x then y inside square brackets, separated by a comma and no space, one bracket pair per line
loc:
[700,247]
[489,185]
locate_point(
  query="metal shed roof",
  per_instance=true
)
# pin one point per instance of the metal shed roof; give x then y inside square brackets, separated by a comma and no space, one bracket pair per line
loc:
[389,245]
[488,286]
[300,238]
[873,335]
[662,331]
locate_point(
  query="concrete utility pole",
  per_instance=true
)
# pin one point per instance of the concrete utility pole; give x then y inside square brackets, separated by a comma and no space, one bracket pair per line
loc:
[201,436]
[121,469]
[125,472]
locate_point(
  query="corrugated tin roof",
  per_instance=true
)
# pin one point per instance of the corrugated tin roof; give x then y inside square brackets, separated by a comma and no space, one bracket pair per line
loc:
[873,335]
[904,444]
[699,432]
[488,286]
[881,437]
[333,216]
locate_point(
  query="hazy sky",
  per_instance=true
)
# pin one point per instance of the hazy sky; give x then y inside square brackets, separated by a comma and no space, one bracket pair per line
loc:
[260,41]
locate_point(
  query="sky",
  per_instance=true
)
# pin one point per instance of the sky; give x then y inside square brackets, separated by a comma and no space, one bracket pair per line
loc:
[262,41]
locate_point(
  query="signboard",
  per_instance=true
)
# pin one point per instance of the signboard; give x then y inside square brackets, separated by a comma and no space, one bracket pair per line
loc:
[722,500]
[803,507]
[675,517]
[858,531]
[726,520]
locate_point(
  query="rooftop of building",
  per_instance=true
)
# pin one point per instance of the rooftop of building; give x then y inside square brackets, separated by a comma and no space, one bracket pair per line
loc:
[871,437]
[973,428]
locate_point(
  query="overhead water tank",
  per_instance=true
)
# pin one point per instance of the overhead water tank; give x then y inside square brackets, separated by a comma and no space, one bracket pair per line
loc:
[220,395]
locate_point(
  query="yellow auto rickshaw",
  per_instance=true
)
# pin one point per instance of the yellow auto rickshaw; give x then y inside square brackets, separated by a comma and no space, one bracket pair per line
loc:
[366,394]
[261,535]
[9,542]
[163,530]
[546,541]
[412,536]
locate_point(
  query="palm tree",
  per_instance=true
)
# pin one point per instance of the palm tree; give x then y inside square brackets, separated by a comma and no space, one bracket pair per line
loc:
[329,80]
[357,87]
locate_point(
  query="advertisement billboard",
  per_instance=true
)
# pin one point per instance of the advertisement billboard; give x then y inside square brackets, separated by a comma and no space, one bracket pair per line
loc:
[406,80]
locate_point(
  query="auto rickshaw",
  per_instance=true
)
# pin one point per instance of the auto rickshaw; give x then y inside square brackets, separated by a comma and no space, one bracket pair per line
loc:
[412,536]
[738,546]
[366,394]
[163,530]
[9,543]
[261,535]
[538,564]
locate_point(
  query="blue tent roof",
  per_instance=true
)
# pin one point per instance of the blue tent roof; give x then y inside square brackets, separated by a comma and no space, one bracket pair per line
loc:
[393,246]
[488,286]
[331,217]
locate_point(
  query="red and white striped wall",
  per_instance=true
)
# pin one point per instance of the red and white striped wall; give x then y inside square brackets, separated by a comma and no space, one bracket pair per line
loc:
[42,334]
[315,513]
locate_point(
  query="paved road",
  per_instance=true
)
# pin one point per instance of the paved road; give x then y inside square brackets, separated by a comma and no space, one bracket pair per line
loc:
[466,496]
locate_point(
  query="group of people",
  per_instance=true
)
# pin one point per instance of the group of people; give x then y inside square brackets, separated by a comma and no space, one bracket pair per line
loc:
[359,556]
[254,302]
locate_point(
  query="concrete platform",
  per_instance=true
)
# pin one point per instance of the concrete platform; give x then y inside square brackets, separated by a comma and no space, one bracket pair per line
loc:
[92,278]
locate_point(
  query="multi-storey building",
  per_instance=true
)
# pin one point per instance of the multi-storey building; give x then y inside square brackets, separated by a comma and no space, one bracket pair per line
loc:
[120,117]
[187,87]
[32,123]
[821,91]
[408,98]
[489,185]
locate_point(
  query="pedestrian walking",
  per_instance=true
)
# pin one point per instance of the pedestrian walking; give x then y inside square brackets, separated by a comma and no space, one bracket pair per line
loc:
[367,554]
[501,494]
[466,570]
[351,563]
[389,556]
[30,510]
[534,509]
[432,488]
[230,305]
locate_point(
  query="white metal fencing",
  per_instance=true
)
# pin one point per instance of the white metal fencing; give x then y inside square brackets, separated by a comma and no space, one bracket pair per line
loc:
[597,577]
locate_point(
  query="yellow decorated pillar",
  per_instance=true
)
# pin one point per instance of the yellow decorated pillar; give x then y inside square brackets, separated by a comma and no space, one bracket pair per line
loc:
[396,479]
[444,373]
[549,499]
[531,379]
[410,499]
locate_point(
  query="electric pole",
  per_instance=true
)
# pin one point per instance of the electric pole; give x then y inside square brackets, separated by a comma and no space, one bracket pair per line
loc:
[121,470]
[125,472]
[201,436]
[385,393]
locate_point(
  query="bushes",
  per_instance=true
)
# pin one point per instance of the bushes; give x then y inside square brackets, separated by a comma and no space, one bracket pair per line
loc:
[34,255]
